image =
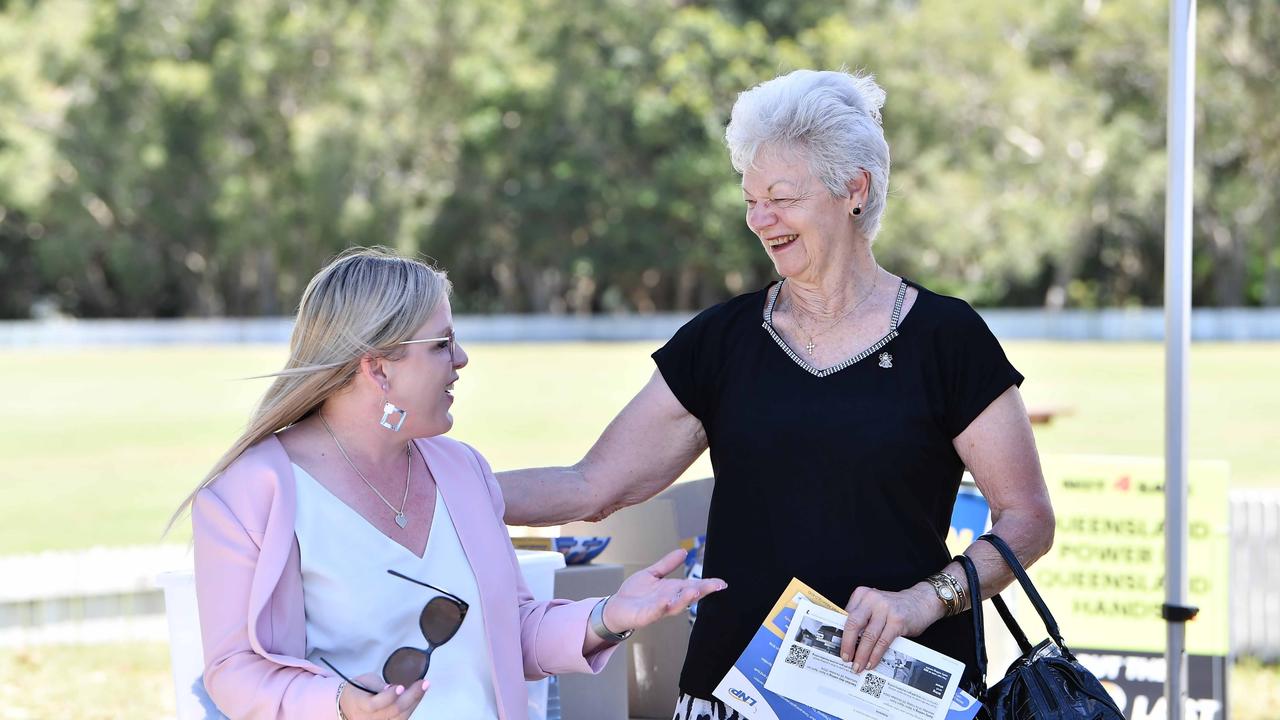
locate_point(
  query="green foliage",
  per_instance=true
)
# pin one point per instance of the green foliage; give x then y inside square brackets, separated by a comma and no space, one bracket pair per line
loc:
[114,473]
[199,158]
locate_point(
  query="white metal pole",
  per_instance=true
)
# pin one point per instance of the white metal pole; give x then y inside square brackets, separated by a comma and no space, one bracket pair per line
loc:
[1177,302]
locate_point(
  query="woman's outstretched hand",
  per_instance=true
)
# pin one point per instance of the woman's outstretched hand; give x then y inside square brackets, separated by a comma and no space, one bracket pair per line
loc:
[649,595]
[395,702]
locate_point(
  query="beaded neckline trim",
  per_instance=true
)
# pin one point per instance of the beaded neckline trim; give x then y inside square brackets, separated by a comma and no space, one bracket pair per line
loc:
[893,333]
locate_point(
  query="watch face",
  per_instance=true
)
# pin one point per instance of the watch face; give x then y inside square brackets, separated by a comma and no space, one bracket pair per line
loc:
[946,593]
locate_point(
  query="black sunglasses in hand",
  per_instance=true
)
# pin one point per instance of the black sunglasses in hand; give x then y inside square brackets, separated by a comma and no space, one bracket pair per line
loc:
[439,621]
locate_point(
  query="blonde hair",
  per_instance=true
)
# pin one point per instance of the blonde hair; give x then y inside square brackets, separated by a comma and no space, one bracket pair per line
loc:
[362,303]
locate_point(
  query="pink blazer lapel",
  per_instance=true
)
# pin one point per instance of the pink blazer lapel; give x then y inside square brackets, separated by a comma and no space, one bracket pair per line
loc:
[278,542]
[485,541]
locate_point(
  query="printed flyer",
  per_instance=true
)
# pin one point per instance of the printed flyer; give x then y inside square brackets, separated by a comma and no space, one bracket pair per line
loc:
[910,682]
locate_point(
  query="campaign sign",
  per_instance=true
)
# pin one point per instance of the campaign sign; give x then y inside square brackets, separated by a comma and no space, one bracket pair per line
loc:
[1136,682]
[1104,577]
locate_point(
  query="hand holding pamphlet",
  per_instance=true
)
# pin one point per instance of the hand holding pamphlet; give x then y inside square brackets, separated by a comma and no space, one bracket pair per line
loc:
[792,669]
[911,680]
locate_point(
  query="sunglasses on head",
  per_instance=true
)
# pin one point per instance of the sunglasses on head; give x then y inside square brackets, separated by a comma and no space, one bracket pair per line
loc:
[439,621]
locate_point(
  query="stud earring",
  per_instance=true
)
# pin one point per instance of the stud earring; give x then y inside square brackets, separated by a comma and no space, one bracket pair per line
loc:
[857,210]
[389,410]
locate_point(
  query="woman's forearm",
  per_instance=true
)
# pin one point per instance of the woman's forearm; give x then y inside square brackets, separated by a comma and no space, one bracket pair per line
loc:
[1028,532]
[643,450]
[548,496]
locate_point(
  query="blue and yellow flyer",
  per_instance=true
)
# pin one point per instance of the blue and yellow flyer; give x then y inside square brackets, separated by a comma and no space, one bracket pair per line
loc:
[928,680]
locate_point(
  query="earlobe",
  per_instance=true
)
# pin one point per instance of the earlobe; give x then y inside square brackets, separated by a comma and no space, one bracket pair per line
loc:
[859,188]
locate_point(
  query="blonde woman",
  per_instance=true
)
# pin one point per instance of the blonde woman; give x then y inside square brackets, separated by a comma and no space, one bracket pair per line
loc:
[349,557]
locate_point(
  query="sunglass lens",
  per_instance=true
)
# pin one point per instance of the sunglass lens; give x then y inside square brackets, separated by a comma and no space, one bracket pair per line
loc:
[440,620]
[405,666]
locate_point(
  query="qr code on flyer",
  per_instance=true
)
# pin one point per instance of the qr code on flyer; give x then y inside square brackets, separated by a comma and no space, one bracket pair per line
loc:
[797,656]
[872,685]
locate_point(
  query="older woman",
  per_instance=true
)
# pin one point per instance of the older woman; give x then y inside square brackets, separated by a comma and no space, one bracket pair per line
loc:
[342,533]
[841,406]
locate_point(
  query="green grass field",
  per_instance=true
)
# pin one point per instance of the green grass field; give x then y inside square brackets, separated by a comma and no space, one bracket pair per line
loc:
[99,446]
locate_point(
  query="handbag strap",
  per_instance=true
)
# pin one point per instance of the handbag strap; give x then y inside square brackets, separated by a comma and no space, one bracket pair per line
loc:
[1033,595]
[979,631]
[979,627]
[1024,645]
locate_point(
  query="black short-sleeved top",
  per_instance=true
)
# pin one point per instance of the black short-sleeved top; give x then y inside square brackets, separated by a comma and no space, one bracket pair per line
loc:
[839,478]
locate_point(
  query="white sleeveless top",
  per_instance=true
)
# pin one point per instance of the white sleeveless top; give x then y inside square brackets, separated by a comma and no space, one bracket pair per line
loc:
[357,613]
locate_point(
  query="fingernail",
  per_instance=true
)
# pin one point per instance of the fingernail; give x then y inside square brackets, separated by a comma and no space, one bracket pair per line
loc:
[857,667]
[399,689]
[425,685]
[844,658]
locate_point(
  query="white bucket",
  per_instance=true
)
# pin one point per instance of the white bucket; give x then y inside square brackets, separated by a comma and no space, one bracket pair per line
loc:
[539,568]
[186,651]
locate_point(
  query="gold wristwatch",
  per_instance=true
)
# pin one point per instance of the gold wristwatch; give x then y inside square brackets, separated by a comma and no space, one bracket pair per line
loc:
[945,587]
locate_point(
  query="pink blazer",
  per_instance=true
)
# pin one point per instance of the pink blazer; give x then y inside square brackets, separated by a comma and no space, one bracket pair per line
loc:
[249,589]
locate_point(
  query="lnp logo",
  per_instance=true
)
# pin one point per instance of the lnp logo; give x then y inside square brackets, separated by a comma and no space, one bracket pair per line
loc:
[750,701]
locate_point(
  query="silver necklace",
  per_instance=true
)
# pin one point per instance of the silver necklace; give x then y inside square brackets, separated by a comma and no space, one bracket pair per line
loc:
[401,520]
[811,345]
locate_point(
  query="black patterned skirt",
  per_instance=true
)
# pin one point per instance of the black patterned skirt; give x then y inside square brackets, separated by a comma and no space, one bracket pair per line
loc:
[691,708]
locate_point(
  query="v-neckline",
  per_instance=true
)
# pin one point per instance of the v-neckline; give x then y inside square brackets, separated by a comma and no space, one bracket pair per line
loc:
[894,320]
[439,500]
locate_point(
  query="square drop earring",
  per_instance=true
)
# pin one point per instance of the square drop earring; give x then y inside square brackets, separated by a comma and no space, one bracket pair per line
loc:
[389,410]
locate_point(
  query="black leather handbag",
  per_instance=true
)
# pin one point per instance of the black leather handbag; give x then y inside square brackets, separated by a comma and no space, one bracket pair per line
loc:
[1046,681]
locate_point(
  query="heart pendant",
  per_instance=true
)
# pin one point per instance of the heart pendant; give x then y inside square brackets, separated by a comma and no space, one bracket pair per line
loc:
[401,520]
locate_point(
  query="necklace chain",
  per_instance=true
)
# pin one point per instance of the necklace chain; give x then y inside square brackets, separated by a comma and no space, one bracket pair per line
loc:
[799,313]
[400,516]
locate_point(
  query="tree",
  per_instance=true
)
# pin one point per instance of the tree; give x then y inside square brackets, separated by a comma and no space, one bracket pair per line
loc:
[202,158]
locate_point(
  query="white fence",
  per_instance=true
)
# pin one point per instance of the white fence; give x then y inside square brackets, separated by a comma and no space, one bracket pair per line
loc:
[218,331]
[1255,573]
[109,595]
[86,596]
[1144,324]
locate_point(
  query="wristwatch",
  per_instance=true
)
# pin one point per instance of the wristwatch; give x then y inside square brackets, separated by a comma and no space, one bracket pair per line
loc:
[598,627]
[946,591]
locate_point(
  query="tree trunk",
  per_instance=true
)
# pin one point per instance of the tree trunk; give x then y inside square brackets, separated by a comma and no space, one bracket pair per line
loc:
[1228,264]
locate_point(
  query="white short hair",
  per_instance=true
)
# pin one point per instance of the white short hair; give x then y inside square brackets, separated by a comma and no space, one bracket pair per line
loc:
[830,119]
